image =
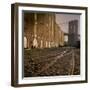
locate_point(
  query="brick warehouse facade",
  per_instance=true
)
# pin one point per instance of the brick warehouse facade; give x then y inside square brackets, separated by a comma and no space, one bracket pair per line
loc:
[41,31]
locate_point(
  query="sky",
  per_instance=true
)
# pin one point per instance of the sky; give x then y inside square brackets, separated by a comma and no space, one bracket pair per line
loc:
[63,19]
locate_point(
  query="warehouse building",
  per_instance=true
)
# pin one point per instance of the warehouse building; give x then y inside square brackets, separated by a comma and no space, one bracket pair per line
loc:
[42,31]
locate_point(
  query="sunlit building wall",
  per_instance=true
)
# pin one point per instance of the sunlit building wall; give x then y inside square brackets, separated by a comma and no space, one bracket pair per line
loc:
[42,31]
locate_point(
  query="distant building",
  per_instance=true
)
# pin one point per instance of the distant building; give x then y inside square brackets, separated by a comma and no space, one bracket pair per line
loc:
[41,31]
[73,33]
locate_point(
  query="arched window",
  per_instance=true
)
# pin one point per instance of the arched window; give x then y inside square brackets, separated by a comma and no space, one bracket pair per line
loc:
[66,38]
[25,42]
[41,44]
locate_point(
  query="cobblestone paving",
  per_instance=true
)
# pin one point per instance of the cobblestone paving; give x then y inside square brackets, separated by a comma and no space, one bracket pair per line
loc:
[51,62]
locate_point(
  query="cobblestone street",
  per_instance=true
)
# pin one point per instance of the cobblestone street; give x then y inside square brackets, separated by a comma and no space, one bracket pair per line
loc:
[51,62]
